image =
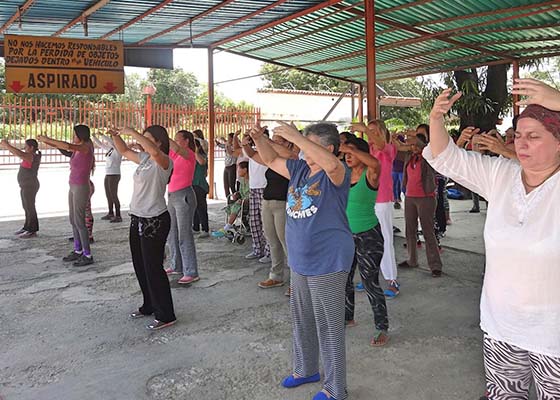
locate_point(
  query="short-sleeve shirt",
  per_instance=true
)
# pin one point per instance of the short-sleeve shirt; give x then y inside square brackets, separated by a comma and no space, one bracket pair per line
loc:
[150,181]
[386,158]
[27,174]
[183,171]
[318,236]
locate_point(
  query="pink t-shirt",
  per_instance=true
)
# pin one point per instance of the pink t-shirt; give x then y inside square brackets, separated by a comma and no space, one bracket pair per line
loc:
[386,158]
[414,187]
[183,171]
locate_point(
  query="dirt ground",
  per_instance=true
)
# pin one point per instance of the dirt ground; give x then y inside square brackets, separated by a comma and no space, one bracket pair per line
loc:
[65,331]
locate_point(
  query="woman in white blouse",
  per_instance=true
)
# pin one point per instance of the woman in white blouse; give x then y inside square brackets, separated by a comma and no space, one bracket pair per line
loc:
[520,303]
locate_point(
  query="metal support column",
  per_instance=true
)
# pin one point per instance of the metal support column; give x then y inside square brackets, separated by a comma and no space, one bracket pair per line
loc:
[515,96]
[211,122]
[360,103]
[370,60]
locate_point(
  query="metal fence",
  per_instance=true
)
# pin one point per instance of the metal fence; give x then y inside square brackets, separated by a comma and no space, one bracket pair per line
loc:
[24,118]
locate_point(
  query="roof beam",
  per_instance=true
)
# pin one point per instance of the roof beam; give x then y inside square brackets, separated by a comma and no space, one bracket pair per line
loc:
[304,34]
[187,22]
[82,17]
[437,35]
[301,13]
[17,15]
[291,27]
[428,36]
[234,22]
[137,19]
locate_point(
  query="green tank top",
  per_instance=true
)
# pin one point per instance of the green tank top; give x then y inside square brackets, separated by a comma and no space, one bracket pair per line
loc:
[361,206]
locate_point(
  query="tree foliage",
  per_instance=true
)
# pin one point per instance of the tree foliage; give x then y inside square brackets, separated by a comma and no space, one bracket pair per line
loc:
[174,86]
[276,77]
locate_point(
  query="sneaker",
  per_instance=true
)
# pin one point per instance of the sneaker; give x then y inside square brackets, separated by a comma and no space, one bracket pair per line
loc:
[27,235]
[171,271]
[405,264]
[20,231]
[116,219]
[474,210]
[265,260]
[360,287]
[436,273]
[392,290]
[138,314]
[204,235]
[83,261]
[252,256]
[72,257]
[186,280]
[397,206]
[107,217]
[156,325]
[270,283]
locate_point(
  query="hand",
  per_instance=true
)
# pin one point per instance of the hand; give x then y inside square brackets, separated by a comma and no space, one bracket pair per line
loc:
[126,131]
[237,132]
[246,141]
[495,144]
[256,132]
[4,143]
[359,127]
[286,131]
[537,92]
[443,104]
[466,135]
[42,138]
[113,132]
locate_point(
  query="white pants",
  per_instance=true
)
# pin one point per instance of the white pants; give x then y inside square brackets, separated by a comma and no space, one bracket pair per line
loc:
[384,212]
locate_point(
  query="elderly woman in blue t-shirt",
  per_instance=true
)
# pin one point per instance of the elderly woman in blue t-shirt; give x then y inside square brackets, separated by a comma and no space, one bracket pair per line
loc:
[320,252]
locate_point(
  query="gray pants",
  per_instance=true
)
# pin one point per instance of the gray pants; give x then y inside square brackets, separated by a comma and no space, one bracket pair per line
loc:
[78,197]
[182,206]
[274,223]
[317,307]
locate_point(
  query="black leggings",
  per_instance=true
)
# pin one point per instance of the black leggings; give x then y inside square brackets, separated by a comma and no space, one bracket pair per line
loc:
[112,193]
[147,243]
[201,214]
[369,252]
[230,177]
[28,195]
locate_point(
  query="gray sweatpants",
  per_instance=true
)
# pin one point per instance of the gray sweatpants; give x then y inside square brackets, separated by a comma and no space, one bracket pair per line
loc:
[78,197]
[182,206]
[317,306]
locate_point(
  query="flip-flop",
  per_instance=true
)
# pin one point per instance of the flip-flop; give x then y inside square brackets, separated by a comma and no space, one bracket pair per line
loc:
[375,340]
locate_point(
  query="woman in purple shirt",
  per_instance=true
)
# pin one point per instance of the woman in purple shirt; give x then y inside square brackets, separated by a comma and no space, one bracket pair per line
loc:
[81,164]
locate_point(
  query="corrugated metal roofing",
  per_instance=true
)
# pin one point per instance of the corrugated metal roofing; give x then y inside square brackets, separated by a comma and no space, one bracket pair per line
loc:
[412,37]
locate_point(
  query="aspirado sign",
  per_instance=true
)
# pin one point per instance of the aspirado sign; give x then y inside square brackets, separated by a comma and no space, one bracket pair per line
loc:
[36,64]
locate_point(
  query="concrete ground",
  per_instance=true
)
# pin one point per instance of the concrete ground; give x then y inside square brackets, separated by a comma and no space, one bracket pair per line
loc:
[65,332]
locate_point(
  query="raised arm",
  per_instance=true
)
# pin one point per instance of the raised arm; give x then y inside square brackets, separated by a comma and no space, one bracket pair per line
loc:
[373,133]
[150,147]
[16,152]
[62,145]
[373,165]
[267,154]
[250,152]
[325,159]
[537,92]
[496,145]
[123,148]
[101,144]
[185,153]
[439,138]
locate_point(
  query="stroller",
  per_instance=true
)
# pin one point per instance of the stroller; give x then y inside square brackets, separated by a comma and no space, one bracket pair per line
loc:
[240,230]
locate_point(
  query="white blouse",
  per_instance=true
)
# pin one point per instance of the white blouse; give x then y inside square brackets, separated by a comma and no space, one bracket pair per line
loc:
[520,302]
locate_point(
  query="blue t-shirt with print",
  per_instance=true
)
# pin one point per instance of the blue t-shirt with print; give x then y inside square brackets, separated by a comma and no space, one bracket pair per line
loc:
[318,236]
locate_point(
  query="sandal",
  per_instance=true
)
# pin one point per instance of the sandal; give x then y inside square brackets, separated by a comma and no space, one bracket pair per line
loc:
[379,339]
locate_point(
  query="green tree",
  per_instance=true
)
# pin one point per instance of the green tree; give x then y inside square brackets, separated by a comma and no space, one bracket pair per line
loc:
[276,77]
[174,86]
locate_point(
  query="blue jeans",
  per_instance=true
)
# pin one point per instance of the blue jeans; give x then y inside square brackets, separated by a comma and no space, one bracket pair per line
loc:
[397,185]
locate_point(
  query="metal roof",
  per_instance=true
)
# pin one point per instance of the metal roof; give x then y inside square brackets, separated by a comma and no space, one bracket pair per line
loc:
[327,37]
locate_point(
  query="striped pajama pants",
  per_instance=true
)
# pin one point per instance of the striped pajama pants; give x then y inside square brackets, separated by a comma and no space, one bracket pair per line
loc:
[510,371]
[260,246]
[317,307]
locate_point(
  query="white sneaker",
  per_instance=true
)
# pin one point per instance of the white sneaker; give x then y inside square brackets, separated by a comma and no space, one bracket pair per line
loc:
[265,260]
[251,256]
[203,235]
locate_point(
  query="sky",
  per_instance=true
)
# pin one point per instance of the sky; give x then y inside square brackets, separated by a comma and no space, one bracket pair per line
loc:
[226,66]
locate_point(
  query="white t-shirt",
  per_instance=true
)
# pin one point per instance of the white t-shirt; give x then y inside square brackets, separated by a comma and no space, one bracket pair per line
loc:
[257,174]
[520,302]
